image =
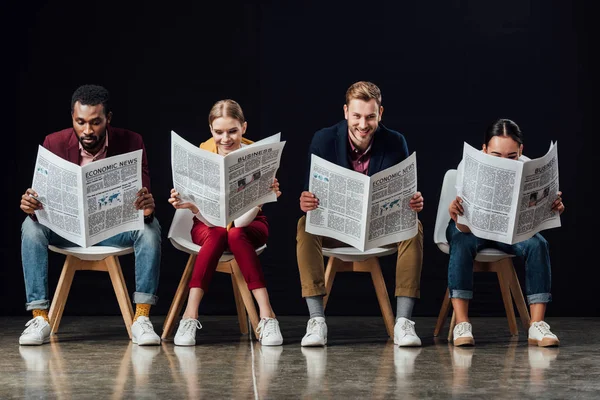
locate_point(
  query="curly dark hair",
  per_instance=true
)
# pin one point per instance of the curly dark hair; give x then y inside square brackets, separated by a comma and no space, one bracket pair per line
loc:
[91,95]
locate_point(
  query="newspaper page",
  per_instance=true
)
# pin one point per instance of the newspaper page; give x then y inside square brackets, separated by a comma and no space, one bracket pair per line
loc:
[249,173]
[391,220]
[364,212]
[538,191]
[493,190]
[224,188]
[110,190]
[86,205]
[198,177]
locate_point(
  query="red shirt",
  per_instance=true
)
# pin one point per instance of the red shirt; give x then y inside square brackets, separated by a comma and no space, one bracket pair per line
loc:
[359,160]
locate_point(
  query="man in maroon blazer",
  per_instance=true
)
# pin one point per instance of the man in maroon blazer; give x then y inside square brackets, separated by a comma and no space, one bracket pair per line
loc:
[91,138]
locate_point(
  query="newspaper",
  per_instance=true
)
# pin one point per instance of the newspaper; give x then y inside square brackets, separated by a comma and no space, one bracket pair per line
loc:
[225,187]
[364,212]
[88,204]
[507,201]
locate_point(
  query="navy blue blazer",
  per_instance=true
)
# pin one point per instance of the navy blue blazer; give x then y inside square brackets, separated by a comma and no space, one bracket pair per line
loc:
[389,148]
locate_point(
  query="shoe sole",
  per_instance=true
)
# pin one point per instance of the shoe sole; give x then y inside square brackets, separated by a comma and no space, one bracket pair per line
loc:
[314,344]
[272,344]
[34,343]
[546,342]
[145,343]
[184,345]
[415,344]
[464,342]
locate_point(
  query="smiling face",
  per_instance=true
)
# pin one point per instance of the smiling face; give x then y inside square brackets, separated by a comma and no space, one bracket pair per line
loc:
[227,133]
[503,146]
[363,119]
[89,124]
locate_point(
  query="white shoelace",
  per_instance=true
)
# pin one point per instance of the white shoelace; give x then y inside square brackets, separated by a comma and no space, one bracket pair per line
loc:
[146,326]
[463,328]
[190,325]
[266,327]
[543,327]
[34,324]
[408,327]
[315,327]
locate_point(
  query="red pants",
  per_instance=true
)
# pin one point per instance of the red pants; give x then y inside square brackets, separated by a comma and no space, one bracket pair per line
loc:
[242,242]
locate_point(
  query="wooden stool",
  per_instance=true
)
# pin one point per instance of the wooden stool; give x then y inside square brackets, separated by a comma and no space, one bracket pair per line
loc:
[509,285]
[349,259]
[95,258]
[181,239]
[243,297]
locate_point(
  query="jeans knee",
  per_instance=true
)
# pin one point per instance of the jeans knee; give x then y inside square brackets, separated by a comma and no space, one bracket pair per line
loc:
[151,234]
[33,232]
[463,242]
[537,245]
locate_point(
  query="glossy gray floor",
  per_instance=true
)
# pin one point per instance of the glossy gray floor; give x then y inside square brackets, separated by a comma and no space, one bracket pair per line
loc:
[92,358]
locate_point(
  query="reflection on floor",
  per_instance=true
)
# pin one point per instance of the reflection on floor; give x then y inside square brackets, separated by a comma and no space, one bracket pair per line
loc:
[92,358]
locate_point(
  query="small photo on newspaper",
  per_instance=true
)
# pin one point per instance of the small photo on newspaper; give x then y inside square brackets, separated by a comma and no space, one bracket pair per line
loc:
[225,187]
[88,204]
[361,211]
[506,200]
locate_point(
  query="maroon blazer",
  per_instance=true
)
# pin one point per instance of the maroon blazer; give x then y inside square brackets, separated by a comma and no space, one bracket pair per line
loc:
[65,145]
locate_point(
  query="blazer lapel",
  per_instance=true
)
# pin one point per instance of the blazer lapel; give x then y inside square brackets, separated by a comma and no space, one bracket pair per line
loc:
[342,145]
[377,153]
[73,149]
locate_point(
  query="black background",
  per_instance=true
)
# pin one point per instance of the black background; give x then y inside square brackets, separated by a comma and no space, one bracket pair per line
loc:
[446,69]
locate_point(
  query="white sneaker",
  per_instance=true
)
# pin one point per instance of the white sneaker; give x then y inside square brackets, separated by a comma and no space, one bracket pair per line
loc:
[142,332]
[316,332]
[186,333]
[540,335]
[463,335]
[36,333]
[404,333]
[268,332]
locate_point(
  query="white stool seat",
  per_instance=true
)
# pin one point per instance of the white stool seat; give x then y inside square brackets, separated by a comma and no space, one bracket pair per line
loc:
[351,254]
[94,253]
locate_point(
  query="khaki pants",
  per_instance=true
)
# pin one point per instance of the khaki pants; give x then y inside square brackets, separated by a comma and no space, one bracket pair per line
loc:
[309,250]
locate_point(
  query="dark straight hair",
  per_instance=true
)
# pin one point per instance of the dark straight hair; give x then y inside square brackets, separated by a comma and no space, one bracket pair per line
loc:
[503,127]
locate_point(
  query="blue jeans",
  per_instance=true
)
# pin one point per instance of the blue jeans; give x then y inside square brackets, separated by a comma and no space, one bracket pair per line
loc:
[465,246]
[36,237]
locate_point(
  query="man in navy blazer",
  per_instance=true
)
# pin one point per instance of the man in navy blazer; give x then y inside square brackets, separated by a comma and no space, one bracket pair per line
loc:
[91,138]
[360,143]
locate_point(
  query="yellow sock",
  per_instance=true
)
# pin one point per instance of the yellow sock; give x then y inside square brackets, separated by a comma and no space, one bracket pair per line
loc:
[141,310]
[41,313]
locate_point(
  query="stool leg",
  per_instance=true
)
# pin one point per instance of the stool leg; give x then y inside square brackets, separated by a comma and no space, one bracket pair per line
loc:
[382,295]
[517,293]
[330,272]
[441,320]
[118,281]
[62,292]
[452,325]
[503,279]
[246,295]
[239,306]
[180,295]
